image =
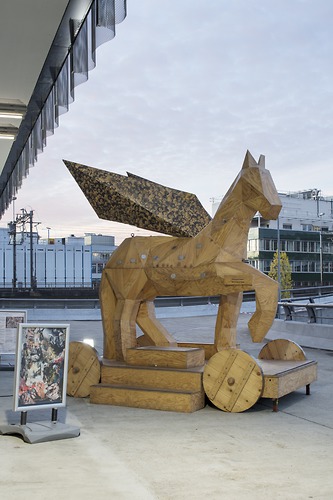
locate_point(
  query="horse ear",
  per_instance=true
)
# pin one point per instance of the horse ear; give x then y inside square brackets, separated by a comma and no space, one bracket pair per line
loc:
[261,161]
[249,161]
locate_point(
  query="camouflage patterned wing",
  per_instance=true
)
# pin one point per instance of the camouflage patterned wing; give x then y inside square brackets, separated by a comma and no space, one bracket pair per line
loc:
[140,202]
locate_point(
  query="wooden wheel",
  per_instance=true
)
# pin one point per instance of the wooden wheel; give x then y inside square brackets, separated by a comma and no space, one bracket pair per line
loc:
[282,349]
[233,381]
[143,341]
[84,369]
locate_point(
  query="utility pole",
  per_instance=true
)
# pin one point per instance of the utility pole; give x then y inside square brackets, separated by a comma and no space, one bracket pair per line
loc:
[12,234]
[32,276]
[321,258]
[20,221]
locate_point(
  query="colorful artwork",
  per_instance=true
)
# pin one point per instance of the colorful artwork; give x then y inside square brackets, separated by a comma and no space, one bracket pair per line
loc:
[41,366]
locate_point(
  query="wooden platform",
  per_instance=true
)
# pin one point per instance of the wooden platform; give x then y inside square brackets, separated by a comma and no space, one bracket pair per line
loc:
[283,377]
[159,378]
[171,378]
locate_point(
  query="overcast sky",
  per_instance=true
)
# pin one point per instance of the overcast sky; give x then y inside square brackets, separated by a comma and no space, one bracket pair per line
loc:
[182,92]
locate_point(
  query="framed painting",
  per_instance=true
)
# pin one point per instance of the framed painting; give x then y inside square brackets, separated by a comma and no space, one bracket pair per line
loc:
[41,366]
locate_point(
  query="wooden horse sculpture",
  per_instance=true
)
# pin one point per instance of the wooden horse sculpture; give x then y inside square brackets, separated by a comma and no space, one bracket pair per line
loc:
[210,263]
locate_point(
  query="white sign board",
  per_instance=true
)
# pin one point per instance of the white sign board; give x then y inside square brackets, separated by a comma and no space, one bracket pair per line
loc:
[9,321]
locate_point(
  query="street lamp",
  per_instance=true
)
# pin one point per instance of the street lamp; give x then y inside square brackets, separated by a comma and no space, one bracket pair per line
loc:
[321,250]
[48,233]
[278,264]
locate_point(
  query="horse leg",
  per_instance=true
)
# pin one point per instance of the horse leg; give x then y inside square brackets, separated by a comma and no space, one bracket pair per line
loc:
[226,321]
[151,327]
[266,290]
[125,326]
[108,303]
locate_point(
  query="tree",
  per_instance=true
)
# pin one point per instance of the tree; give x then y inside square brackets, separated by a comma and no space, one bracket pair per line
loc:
[285,272]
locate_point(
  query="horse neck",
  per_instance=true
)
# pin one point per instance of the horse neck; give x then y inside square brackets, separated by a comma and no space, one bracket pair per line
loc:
[230,226]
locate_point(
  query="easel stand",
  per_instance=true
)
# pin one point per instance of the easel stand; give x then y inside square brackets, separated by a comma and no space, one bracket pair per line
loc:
[41,432]
[6,363]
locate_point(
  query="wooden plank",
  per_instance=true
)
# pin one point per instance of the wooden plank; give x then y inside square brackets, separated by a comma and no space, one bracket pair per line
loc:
[209,348]
[186,402]
[154,378]
[172,357]
[215,380]
[280,367]
[240,386]
[276,386]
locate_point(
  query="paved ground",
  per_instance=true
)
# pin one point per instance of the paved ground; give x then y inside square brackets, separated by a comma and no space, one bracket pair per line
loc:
[126,453]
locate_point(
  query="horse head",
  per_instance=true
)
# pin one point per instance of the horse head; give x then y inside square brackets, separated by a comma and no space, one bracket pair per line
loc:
[258,189]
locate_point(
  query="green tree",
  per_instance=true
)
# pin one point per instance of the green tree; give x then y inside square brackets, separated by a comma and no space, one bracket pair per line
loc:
[285,272]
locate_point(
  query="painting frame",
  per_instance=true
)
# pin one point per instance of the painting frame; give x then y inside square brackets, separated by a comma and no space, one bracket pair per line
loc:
[40,378]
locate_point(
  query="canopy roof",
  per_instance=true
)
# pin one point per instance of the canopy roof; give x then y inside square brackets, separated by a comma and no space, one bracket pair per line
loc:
[47,48]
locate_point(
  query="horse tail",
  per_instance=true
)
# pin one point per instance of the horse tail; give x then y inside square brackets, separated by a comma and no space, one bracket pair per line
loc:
[108,302]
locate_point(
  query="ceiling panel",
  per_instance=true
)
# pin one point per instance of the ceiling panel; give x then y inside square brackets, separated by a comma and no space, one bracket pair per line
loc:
[27,29]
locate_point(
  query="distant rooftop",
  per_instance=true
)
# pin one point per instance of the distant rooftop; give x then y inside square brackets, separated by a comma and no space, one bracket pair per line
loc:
[307,194]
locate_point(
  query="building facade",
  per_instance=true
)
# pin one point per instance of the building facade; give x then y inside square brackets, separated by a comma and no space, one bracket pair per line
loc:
[73,262]
[304,230]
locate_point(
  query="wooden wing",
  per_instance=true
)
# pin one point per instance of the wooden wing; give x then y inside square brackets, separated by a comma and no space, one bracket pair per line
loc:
[140,202]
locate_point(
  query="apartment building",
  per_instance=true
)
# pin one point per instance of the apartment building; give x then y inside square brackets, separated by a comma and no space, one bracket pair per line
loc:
[304,230]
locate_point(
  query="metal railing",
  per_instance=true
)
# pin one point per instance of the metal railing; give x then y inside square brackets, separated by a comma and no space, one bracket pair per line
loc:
[93,303]
[310,312]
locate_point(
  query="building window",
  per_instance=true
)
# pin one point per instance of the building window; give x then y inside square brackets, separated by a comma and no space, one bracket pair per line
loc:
[312,267]
[266,266]
[304,246]
[254,263]
[252,245]
[311,246]
[290,245]
[305,266]
[287,226]
[267,245]
[307,227]
[296,266]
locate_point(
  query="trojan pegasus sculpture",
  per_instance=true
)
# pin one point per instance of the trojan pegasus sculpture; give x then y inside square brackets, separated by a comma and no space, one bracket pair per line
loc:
[210,262]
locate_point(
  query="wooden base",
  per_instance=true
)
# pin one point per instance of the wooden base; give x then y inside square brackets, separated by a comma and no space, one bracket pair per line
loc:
[169,378]
[138,397]
[162,379]
[283,377]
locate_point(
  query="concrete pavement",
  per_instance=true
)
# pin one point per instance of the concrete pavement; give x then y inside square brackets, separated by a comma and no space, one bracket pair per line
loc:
[128,453]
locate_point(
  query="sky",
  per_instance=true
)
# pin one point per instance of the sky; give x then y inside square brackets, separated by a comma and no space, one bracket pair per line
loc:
[178,97]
